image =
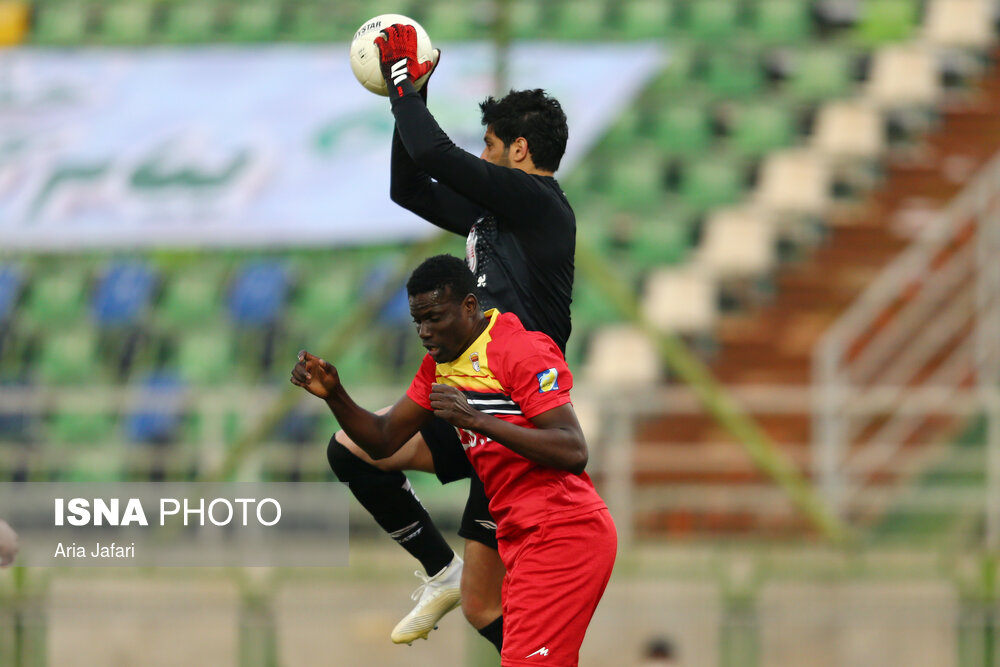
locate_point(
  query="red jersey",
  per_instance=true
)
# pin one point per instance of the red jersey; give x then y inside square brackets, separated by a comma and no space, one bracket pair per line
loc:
[513,374]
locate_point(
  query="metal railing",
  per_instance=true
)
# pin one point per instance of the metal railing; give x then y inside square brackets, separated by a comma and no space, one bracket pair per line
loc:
[929,325]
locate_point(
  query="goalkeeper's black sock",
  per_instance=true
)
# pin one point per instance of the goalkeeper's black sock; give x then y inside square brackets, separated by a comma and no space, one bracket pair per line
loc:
[494,633]
[389,499]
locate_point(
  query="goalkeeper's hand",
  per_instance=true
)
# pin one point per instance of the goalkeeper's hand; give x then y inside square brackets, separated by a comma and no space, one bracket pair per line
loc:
[397,46]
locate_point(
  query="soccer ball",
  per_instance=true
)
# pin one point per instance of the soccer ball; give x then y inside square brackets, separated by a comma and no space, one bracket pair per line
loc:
[365,55]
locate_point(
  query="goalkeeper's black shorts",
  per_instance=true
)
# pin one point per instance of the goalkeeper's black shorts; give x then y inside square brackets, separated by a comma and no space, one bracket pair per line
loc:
[451,464]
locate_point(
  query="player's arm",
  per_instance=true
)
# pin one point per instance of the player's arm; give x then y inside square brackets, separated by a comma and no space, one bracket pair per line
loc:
[556,441]
[379,435]
[487,185]
[412,188]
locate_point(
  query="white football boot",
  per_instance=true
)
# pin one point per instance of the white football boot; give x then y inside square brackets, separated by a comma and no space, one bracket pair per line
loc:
[435,597]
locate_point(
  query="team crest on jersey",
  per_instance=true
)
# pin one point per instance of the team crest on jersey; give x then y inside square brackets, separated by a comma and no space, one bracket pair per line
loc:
[548,380]
[474,358]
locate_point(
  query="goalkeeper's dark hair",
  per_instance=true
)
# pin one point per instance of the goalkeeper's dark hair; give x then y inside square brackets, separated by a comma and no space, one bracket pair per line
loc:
[442,272]
[531,114]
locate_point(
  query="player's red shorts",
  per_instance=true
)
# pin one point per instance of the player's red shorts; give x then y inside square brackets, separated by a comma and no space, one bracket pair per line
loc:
[556,574]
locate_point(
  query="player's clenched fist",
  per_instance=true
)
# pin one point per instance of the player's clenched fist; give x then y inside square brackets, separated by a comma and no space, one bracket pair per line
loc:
[397,47]
[451,405]
[315,375]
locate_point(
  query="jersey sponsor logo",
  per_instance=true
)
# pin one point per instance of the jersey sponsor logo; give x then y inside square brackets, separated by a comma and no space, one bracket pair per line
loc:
[548,380]
[474,358]
[542,651]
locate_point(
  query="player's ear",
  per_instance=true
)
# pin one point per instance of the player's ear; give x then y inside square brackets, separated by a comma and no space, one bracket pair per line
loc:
[470,304]
[519,149]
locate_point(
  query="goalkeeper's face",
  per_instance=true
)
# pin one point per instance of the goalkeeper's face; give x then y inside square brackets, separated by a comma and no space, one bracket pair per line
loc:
[495,151]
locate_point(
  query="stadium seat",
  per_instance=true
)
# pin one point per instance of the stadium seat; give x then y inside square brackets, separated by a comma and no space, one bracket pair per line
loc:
[645,19]
[761,127]
[712,21]
[190,21]
[738,243]
[635,180]
[190,297]
[158,410]
[962,24]
[886,21]
[61,24]
[734,75]
[661,240]
[127,22]
[253,21]
[902,77]
[621,356]
[123,295]
[69,357]
[258,294]
[56,298]
[80,428]
[711,181]
[526,19]
[781,22]
[452,20]
[591,307]
[325,298]
[683,129]
[11,284]
[849,130]
[581,19]
[205,357]
[820,74]
[794,181]
[680,300]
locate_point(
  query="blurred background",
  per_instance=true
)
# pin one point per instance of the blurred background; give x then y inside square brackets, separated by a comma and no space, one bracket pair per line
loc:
[786,319]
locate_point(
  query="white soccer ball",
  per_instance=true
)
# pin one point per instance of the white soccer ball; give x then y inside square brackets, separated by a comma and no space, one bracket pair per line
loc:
[365,55]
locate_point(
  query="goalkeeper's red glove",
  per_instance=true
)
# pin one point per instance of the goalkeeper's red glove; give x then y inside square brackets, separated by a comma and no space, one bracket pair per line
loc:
[397,46]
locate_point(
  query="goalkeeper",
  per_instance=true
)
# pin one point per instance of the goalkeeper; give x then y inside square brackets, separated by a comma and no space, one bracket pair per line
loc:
[521,238]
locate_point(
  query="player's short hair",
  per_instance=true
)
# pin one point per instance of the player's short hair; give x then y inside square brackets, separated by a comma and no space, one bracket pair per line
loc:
[442,272]
[531,114]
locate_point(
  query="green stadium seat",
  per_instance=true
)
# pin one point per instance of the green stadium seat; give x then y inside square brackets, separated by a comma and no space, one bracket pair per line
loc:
[590,307]
[713,21]
[69,357]
[581,19]
[56,299]
[190,298]
[886,21]
[127,22]
[781,22]
[253,21]
[761,127]
[659,241]
[624,133]
[325,299]
[61,24]
[711,181]
[321,22]
[683,130]
[820,74]
[452,20]
[733,75]
[191,21]
[205,357]
[645,19]
[635,180]
[80,428]
[526,19]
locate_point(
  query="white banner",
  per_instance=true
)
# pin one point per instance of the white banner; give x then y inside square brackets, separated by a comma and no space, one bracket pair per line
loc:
[227,146]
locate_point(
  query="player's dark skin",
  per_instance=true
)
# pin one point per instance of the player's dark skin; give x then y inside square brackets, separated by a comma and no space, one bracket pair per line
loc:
[446,328]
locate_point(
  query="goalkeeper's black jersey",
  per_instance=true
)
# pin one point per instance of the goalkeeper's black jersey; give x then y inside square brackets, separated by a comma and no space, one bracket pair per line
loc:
[521,231]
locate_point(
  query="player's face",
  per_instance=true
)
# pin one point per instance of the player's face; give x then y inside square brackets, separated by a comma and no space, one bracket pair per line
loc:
[495,151]
[443,324]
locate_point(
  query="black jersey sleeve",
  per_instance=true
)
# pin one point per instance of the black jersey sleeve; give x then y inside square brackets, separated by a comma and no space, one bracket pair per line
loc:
[501,190]
[413,189]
